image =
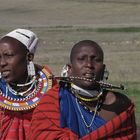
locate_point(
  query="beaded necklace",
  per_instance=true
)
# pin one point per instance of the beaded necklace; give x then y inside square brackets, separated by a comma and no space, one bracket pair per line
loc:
[88,126]
[81,93]
[88,99]
[79,101]
[23,93]
[27,83]
[20,103]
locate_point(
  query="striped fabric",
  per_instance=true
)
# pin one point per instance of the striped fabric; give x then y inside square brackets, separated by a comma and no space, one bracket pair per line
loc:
[46,123]
[15,125]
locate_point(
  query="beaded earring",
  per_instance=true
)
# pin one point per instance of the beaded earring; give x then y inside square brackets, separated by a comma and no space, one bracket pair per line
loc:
[106,74]
[31,68]
[64,72]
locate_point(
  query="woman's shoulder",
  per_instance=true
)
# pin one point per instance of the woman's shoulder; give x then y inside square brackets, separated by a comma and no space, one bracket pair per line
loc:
[116,102]
[50,99]
[53,90]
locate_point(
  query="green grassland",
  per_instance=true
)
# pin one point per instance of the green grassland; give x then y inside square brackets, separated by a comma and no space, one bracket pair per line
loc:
[115,25]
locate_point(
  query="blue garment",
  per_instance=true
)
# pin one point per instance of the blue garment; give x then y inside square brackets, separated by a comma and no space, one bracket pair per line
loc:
[70,116]
[6,91]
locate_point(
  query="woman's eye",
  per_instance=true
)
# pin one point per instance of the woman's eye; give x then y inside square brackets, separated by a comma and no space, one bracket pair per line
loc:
[81,58]
[96,59]
[9,55]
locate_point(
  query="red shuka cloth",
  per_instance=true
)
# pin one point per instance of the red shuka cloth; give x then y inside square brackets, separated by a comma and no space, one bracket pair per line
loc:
[15,125]
[46,123]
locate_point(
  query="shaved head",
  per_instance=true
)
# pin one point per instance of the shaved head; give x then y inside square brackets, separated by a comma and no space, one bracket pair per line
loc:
[82,43]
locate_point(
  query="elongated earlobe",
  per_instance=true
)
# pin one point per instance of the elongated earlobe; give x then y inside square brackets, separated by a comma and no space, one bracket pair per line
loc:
[64,72]
[30,56]
[105,73]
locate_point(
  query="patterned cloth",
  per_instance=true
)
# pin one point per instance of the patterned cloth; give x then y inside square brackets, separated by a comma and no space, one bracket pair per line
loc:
[14,125]
[46,123]
[26,37]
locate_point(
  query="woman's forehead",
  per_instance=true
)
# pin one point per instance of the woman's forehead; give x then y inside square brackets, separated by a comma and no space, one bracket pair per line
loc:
[88,49]
[9,40]
[12,44]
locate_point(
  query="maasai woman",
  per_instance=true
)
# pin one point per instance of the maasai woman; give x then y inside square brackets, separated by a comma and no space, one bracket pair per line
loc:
[22,83]
[82,108]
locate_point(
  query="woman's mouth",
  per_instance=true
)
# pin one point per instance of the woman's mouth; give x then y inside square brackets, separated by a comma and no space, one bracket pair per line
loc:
[4,73]
[89,75]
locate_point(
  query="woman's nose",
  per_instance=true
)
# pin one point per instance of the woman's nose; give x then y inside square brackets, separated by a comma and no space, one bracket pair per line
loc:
[90,63]
[2,61]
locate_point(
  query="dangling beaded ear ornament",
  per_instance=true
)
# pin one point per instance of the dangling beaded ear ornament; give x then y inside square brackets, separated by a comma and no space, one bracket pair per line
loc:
[31,69]
[0,75]
[106,74]
[64,72]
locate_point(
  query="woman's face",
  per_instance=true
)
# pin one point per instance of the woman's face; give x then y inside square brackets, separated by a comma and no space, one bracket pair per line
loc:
[87,62]
[13,63]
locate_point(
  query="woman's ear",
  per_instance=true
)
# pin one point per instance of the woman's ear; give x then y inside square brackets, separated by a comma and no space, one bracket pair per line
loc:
[105,73]
[65,70]
[103,70]
[69,69]
[30,56]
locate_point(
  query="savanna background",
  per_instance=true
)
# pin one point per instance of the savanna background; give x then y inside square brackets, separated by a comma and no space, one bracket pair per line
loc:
[59,24]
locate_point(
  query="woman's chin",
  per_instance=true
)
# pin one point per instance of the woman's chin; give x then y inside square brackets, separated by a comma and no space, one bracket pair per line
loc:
[87,85]
[7,79]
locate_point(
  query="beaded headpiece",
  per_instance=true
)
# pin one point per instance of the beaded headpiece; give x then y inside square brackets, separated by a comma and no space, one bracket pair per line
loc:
[26,37]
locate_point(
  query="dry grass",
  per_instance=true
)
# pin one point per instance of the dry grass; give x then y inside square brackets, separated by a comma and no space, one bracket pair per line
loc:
[40,13]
